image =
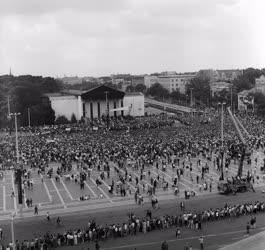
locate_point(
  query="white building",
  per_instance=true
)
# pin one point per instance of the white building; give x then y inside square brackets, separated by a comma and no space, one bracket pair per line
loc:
[260,84]
[175,82]
[150,80]
[95,103]
[135,103]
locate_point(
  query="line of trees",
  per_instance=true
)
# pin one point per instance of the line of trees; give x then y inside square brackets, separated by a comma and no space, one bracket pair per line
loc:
[25,94]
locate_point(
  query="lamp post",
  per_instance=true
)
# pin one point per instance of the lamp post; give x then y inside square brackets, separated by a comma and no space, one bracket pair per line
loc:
[29,117]
[12,231]
[191,101]
[222,140]
[17,152]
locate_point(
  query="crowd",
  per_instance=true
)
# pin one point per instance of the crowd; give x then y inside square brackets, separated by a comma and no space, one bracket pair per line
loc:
[94,232]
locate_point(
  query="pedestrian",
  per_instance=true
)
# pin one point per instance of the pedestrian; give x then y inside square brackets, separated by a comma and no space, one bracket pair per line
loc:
[36,210]
[177,232]
[164,245]
[1,233]
[58,221]
[97,246]
[48,216]
[201,243]
[248,228]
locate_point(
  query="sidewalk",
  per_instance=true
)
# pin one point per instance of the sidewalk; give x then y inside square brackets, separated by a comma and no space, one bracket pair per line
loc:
[255,242]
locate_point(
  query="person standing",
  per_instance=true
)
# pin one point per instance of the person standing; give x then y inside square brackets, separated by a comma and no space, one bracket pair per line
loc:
[201,243]
[164,245]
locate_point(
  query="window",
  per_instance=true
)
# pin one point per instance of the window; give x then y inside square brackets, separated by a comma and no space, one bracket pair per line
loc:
[91,110]
[122,113]
[84,109]
[98,109]
[115,112]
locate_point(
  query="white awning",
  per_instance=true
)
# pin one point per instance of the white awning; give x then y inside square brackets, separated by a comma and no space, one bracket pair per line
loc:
[120,109]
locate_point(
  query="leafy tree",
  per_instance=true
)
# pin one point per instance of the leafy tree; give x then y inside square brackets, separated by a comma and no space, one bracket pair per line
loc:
[73,119]
[140,88]
[129,88]
[259,102]
[200,89]
[157,90]
[39,115]
[61,120]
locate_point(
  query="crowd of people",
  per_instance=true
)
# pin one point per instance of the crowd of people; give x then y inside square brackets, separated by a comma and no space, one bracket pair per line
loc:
[94,233]
[158,141]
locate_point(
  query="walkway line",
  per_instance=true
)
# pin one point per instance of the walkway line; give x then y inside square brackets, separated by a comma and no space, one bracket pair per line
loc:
[13,186]
[57,191]
[4,198]
[47,190]
[131,185]
[102,191]
[91,190]
[66,189]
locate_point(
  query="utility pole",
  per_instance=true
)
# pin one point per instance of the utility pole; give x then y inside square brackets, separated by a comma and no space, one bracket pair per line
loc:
[8,106]
[231,98]
[29,117]
[191,101]
[107,107]
[12,231]
[222,140]
[17,152]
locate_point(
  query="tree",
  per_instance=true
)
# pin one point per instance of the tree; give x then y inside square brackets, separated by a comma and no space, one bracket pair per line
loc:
[200,89]
[39,115]
[157,90]
[259,102]
[140,88]
[61,120]
[129,88]
[177,96]
[73,119]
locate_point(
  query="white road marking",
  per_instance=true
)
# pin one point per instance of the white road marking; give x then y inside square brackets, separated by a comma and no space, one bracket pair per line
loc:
[134,188]
[4,198]
[13,186]
[57,191]
[47,190]
[90,189]
[66,189]
[102,191]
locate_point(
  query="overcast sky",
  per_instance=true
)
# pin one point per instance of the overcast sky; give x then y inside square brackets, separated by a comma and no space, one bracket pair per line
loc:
[101,37]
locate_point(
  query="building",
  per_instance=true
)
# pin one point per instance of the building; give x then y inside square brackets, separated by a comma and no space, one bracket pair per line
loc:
[135,103]
[137,80]
[94,103]
[260,84]
[245,100]
[217,87]
[150,80]
[175,82]
[226,75]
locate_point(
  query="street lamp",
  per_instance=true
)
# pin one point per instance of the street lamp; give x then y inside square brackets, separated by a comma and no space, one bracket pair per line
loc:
[222,140]
[17,152]
[191,101]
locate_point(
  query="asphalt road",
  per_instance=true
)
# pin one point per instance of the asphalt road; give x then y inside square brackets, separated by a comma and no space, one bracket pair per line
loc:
[219,233]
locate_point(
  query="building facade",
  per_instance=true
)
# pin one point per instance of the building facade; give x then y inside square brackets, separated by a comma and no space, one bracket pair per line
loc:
[260,84]
[135,103]
[95,103]
[217,87]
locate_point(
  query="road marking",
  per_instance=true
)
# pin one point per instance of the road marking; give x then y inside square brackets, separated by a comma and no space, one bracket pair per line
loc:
[134,188]
[91,190]
[4,198]
[102,191]
[13,186]
[57,191]
[66,189]
[47,190]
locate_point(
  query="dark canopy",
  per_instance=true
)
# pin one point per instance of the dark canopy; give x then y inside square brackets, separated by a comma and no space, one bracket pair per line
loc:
[99,93]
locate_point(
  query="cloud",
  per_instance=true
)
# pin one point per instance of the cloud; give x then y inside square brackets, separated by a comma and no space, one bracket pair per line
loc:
[100,37]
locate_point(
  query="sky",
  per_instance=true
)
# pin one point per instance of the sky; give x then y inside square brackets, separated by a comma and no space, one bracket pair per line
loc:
[103,37]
